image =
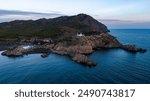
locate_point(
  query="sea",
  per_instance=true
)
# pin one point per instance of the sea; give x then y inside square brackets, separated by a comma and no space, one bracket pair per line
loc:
[114,66]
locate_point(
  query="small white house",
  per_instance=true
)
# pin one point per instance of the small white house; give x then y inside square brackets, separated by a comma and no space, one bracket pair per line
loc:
[80,34]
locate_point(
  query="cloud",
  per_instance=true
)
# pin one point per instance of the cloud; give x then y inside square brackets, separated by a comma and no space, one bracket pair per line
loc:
[9,15]
[16,12]
[121,24]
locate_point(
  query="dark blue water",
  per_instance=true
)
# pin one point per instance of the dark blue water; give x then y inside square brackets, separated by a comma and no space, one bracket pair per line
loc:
[114,66]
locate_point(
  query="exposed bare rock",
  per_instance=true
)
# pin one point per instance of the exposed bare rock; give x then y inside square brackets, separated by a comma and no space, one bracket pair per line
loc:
[79,58]
[44,55]
[76,47]
[16,52]
[133,48]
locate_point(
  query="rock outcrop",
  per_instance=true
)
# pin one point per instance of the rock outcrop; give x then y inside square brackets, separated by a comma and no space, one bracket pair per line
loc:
[76,48]
[133,48]
[16,52]
[83,59]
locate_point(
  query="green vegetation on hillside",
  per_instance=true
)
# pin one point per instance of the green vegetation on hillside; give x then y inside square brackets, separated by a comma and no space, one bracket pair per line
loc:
[52,27]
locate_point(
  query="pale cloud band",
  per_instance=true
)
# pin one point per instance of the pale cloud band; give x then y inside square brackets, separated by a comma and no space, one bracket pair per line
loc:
[122,24]
[9,15]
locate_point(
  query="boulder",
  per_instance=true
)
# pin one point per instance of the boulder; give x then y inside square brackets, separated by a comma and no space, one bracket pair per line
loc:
[44,55]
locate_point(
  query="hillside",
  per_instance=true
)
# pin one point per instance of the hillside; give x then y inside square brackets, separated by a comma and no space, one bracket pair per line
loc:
[60,26]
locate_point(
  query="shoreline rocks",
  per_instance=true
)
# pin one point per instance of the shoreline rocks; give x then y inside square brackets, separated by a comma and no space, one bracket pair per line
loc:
[82,59]
[133,48]
[77,48]
[16,52]
[44,55]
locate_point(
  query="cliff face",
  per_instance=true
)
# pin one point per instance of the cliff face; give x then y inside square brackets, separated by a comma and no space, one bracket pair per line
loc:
[65,26]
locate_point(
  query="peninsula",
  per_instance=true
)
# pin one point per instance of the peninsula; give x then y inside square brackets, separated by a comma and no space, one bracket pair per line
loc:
[74,36]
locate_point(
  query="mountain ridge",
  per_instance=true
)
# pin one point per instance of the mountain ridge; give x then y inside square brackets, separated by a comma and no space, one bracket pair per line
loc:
[53,27]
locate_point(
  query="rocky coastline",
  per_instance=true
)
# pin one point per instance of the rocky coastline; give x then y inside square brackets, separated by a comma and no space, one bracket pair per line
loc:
[76,47]
[75,36]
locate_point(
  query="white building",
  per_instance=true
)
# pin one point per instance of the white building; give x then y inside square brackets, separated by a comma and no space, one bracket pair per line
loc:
[80,34]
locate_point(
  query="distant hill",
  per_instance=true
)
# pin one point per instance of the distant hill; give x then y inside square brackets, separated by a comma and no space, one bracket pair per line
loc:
[60,26]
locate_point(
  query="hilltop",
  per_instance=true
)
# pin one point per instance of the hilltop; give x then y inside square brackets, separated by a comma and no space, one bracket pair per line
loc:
[60,26]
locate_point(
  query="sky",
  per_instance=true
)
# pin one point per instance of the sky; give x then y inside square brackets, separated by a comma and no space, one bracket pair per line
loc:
[113,13]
